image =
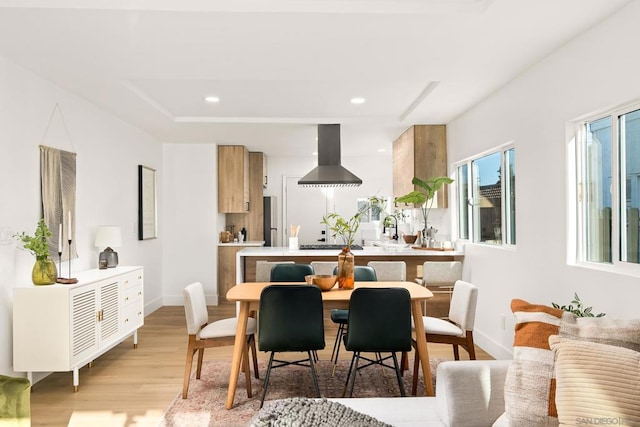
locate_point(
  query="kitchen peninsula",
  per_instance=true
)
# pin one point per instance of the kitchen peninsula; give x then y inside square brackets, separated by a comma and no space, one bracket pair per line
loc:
[247,258]
[227,264]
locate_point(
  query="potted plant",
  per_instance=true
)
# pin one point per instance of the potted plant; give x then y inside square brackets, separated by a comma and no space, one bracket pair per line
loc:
[578,309]
[346,229]
[44,270]
[423,197]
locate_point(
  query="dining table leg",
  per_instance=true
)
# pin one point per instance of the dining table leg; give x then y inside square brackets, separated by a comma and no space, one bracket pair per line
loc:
[238,346]
[421,346]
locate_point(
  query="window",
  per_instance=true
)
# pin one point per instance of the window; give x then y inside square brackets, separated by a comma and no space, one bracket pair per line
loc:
[487,198]
[608,188]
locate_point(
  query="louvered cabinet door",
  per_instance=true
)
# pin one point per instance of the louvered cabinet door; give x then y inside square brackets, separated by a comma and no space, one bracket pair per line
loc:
[109,312]
[84,317]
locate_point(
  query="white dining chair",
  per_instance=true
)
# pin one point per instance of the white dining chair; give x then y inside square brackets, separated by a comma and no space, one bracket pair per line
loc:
[203,334]
[439,277]
[324,267]
[389,271]
[457,329]
[263,269]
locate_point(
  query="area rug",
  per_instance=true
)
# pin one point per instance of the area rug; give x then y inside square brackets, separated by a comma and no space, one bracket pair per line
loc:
[205,405]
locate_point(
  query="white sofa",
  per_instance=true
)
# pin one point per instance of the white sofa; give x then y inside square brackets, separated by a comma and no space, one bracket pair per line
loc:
[468,393]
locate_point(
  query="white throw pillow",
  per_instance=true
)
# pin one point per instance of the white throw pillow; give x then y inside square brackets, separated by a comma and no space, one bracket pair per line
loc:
[596,384]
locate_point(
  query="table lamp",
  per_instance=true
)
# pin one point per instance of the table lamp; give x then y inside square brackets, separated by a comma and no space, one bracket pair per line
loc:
[108,235]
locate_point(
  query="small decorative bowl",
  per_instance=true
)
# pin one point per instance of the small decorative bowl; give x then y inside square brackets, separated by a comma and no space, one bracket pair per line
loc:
[324,281]
[409,238]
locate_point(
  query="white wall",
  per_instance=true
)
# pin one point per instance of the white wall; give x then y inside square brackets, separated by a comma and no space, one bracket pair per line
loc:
[108,152]
[191,220]
[595,71]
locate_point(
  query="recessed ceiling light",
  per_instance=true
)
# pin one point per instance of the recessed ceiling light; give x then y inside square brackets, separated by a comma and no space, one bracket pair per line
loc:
[382,150]
[358,100]
[315,153]
[212,99]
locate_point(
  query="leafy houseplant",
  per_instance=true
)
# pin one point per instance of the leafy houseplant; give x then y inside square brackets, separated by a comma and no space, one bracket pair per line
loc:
[44,270]
[578,310]
[423,197]
[346,229]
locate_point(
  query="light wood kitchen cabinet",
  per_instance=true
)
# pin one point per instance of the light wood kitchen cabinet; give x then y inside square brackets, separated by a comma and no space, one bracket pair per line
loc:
[252,220]
[420,151]
[233,179]
[226,269]
[257,173]
[265,178]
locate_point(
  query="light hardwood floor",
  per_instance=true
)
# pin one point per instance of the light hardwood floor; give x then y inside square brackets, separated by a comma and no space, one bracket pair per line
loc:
[127,387]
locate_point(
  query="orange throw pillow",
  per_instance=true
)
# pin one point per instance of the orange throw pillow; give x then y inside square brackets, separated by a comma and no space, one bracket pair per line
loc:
[529,390]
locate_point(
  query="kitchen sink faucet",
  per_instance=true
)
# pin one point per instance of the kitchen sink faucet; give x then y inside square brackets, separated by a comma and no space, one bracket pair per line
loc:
[384,229]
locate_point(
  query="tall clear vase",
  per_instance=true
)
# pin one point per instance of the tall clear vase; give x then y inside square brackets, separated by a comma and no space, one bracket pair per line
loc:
[346,263]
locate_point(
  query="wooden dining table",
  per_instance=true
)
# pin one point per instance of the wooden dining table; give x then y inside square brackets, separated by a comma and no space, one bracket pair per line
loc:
[248,297]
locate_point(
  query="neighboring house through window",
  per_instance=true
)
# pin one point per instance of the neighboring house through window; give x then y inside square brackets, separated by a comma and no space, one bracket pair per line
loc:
[486,197]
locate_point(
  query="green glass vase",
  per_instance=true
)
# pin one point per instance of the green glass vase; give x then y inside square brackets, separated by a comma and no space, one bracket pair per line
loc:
[44,272]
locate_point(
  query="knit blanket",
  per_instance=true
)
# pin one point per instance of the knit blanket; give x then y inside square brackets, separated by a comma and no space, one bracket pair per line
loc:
[297,412]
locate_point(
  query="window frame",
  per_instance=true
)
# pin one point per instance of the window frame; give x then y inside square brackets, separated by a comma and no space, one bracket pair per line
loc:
[472,220]
[577,235]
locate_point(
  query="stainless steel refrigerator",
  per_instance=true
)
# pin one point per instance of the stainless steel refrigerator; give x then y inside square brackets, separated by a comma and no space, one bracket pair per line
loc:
[270,221]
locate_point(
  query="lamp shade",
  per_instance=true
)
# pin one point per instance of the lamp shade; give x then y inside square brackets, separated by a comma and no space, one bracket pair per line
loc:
[108,236]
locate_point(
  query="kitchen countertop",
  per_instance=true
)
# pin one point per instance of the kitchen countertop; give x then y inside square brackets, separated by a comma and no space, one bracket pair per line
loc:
[366,251]
[250,243]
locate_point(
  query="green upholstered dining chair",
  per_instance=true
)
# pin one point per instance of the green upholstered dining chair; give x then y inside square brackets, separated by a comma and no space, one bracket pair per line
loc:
[290,272]
[290,320]
[340,316]
[372,333]
[15,401]
[203,334]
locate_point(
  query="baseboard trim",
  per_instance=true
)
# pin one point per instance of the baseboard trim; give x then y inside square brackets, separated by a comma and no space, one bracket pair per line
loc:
[178,300]
[496,350]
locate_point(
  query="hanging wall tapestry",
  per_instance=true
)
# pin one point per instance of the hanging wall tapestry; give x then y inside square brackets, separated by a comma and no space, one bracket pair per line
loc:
[58,182]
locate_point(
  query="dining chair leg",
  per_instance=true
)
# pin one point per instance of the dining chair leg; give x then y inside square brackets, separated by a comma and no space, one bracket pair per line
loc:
[314,375]
[187,366]
[199,369]
[246,369]
[266,379]
[456,352]
[252,342]
[471,349]
[398,374]
[404,363]
[341,332]
[336,343]
[416,369]
[346,383]
[355,374]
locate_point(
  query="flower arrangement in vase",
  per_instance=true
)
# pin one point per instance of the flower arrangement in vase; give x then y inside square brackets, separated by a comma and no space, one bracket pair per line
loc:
[44,270]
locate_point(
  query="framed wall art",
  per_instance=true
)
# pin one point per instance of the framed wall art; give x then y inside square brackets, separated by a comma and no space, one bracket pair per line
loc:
[147,204]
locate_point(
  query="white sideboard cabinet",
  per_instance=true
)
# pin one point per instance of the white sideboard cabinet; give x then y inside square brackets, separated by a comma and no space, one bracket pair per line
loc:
[59,328]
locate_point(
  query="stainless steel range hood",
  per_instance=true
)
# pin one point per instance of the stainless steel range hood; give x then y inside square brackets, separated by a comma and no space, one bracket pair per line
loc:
[329,172]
